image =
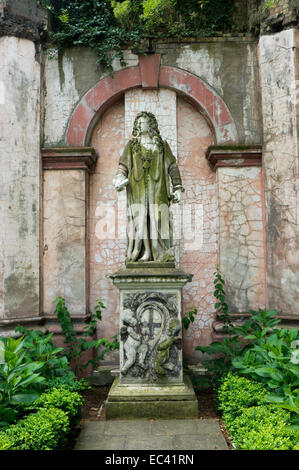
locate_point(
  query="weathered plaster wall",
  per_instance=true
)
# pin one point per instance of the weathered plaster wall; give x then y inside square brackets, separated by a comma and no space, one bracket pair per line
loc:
[19,178]
[241,237]
[279,97]
[64,243]
[106,239]
[230,66]
[68,76]
[196,248]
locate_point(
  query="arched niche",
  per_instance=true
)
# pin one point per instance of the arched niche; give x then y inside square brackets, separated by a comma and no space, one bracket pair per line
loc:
[107,251]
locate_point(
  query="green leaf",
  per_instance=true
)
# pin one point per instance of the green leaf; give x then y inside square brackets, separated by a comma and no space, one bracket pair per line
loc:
[273,398]
[7,415]
[25,397]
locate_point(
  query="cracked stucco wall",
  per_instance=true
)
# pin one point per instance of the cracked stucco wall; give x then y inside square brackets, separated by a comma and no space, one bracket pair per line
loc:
[241,237]
[64,252]
[231,68]
[19,178]
[280,102]
[68,76]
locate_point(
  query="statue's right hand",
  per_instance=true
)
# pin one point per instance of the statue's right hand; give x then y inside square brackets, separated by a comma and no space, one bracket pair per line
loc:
[120,182]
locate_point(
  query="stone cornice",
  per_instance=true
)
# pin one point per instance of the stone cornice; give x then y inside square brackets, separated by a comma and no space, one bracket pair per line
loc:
[44,322]
[234,156]
[69,158]
[287,321]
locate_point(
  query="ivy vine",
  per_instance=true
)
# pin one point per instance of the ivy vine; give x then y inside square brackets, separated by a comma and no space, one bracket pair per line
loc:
[109,26]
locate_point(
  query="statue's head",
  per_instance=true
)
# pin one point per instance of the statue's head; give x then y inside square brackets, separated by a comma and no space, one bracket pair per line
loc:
[128,318]
[146,122]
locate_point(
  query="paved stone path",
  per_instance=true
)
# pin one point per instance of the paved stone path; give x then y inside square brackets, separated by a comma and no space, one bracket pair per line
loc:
[186,434]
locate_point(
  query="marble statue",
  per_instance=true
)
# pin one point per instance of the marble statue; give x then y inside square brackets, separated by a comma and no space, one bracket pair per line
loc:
[146,168]
[151,382]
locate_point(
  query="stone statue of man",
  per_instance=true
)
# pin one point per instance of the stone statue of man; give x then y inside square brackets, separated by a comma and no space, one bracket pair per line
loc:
[146,168]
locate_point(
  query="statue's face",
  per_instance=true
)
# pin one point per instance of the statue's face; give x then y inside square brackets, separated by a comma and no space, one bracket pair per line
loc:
[143,125]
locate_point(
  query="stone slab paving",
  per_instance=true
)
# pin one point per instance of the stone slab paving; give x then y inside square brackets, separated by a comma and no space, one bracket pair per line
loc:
[186,434]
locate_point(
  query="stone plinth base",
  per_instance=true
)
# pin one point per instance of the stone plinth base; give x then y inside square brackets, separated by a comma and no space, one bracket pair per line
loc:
[173,401]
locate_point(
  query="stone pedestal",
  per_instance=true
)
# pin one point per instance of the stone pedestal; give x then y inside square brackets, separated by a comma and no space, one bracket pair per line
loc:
[151,382]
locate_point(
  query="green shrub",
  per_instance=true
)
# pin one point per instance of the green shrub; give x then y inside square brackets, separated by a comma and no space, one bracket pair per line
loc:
[237,393]
[262,428]
[68,382]
[6,442]
[44,430]
[253,424]
[69,402]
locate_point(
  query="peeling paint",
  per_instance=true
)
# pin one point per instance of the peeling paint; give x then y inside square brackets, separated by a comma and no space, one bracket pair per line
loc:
[277,68]
[19,179]
[241,237]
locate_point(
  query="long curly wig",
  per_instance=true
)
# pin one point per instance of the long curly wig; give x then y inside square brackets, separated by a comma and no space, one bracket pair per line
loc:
[153,129]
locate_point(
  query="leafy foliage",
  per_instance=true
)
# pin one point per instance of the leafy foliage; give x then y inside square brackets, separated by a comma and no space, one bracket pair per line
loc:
[263,428]
[27,367]
[258,350]
[189,318]
[44,430]
[90,23]
[76,346]
[68,381]
[236,393]
[69,402]
[156,13]
[20,379]
[269,360]
[38,346]
[254,425]
[270,4]
[110,25]
[221,306]
[287,399]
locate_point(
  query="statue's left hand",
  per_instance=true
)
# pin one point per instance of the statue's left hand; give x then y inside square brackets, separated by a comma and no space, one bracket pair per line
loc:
[177,195]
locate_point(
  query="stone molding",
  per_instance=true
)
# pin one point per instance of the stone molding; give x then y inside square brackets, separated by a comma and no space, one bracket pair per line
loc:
[287,321]
[44,322]
[150,75]
[70,158]
[168,277]
[225,156]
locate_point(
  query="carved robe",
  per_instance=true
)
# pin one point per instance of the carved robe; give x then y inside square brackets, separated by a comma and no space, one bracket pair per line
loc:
[148,198]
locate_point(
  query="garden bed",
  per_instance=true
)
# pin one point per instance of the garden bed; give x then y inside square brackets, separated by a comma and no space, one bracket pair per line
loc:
[96,396]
